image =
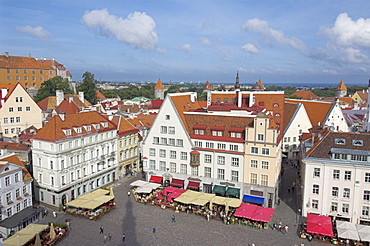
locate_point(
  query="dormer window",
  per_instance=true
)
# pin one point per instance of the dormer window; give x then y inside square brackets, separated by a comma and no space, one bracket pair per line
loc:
[104,124]
[340,141]
[199,131]
[217,133]
[67,132]
[88,128]
[357,143]
[78,130]
[96,126]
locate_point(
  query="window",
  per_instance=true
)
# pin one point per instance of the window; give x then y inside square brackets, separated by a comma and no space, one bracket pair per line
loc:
[221,146]
[11,119]
[265,151]
[315,189]
[167,117]
[19,109]
[315,204]
[152,164]
[345,208]
[265,165]
[346,193]
[172,167]
[163,129]
[316,172]
[221,160]
[151,152]
[236,135]
[171,130]
[234,176]
[162,153]
[253,178]
[7,181]
[194,170]
[184,169]
[254,150]
[264,180]
[234,147]
[210,145]
[347,175]
[11,109]
[234,162]
[254,164]
[334,207]
[162,166]
[357,143]
[221,174]
[207,158]
[198,144]
[184,155]
[34,78]
[26,78]
[156,140]
[171,141]
[51,165]
[17,193]
[335,191]
[5,120]
[9,212]
[172,154]
[217,133]
[336,174]
[367,195]
[24,190]
[164,141]
[16,176]
[180,142]
[207,172]
[340,141]
[260,137]
[365,211]
[367,177]
[52,180]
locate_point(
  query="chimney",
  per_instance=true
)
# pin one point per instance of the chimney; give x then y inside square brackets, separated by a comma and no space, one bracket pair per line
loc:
[59,96]
[70,99]
[81,96]
[29,55]
[6,54]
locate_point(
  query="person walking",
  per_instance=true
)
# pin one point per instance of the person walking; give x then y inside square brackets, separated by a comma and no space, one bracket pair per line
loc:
[54,214]
[286,228]
[101,229]
[105,238]
[128,193]
[173,218]
[123,237]
[109,236]
[154,229]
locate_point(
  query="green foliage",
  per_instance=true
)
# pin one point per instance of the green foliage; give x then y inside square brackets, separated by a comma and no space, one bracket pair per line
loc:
[50,86]
[202,97]
[88,86]
[324,92]
[352,89]
[273,88]
[289,90]
[294,97]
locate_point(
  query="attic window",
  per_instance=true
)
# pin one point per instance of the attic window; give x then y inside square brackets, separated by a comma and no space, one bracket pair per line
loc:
[97,126]
[88,128]
[340,141]
[6,169]
[105,124]
[276,105]
[277,114]
[357,143]
[67,132]
[78,130]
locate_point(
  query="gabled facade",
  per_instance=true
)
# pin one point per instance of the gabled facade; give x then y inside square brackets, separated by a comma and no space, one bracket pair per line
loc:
[341,90]
[73,154]
[296,122]
[18,110]
[15,188]
[360,96]
[336,177]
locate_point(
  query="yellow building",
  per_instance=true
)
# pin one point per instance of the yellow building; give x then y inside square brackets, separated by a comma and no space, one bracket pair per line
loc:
[27,71]
[18,110]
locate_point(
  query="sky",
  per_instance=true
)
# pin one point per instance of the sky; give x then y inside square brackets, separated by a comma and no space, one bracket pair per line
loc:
[280,42]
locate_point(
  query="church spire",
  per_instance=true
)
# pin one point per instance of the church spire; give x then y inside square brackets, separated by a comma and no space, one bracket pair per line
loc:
[237,84]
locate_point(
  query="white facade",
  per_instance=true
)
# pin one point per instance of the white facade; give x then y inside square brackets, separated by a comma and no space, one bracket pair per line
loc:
[70,167]
[335,120]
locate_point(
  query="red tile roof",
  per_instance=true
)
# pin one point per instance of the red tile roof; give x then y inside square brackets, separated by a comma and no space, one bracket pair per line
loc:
[21,62]
[156,104]
[184,104]
[98,95]
[305,95]
[123,126]
[341,86]
[159,85]
[363,95]
[53,130]
[10,89]
[14,146]
[12,158]
[66,107]
[289,111]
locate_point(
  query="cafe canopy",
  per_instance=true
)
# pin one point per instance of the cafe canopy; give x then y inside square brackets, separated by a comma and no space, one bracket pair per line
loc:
[194,197]
[26,234]
[139,183]
[92,199]
[364,232]
[147,188]
[254,212]
[319,224]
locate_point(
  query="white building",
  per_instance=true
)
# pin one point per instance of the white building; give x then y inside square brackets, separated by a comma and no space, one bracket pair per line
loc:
[15,189]
[73,154]
[336,177]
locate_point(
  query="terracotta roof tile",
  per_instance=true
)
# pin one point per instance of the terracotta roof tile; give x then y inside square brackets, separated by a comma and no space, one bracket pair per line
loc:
[184,104]
[159,85]
[341,86]
[98,95]
[66,107]
[12,158]
[14,146]
[21,62]
[289,111]
[305,95]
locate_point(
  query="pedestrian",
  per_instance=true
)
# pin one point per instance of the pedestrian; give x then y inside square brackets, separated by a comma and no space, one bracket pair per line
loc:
[46,212]
[173,218]
[293,188]
[128,193]
[109,236]
[105,238]
[154,229]
[68,225]
[274,226]
[123,236]
[64,209]
[288,190]
[54,214]
[279,227]
[207,216]
[101,229]
[286,228]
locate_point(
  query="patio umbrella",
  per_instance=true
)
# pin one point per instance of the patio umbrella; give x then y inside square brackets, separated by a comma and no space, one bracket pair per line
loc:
[17,240]
[347,234]
[319,224]
[363,232]
[346,225]
[38,240]
[111,192]
[52,231]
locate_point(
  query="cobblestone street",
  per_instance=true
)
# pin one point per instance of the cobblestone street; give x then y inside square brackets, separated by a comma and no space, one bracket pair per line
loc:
[137,220]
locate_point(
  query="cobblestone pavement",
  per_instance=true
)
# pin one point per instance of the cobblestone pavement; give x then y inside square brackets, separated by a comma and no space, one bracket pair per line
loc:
[137,220]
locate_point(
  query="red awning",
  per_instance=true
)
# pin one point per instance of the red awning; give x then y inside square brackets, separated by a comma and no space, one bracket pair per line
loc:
[319,224]
[177,182]
[245,210]
[169,189]
[156,179]
[193,185]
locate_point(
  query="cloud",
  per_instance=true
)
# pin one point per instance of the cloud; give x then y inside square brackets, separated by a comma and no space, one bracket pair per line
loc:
[36,32]
[224,53]
[250,48]
[205,41]
[186,47]
[272,36]
[346,32]
[137,30]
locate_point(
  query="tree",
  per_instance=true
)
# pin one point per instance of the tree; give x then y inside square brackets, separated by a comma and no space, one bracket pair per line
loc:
[88,87]
[50,86]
